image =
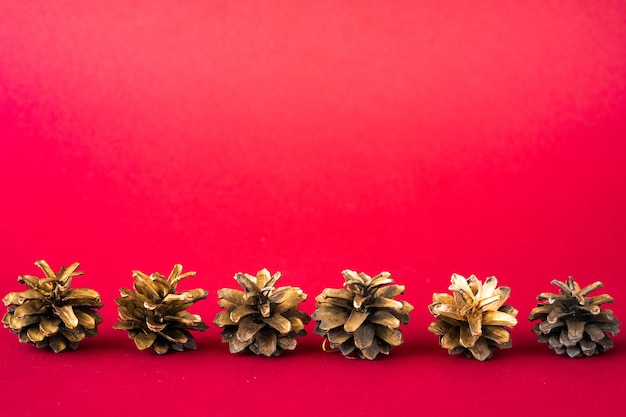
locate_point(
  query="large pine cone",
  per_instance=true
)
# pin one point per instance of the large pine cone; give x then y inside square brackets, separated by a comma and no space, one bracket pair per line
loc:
[156,316]
[573,323]
[262,319]
[362,317]
[471,320]
[50,313]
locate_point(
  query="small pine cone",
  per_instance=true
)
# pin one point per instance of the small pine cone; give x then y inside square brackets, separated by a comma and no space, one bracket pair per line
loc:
[573,323]
[262,319]
[156,316]
[362,317]
[472,320]
[50,313]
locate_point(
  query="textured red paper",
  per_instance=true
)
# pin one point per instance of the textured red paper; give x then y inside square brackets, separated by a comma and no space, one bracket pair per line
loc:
[422,138]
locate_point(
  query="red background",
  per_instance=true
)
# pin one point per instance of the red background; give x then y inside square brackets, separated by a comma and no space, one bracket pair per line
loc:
[423,138]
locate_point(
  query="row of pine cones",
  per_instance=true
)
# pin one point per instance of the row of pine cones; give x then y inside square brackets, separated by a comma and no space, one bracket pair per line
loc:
[360,319]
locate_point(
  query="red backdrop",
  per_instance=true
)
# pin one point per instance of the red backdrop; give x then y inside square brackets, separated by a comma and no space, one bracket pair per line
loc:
[422,138]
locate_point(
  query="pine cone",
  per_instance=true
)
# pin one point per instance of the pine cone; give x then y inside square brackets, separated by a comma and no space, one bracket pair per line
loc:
[471,321]
[362,317]
[156,316]
[262,319]
[50,313]
[573,323]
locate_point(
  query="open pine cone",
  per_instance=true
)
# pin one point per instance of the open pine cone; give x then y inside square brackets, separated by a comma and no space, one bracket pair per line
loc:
[573,323]
[50,313]
[362,317]
[472,320]
[156,316]
[262,319]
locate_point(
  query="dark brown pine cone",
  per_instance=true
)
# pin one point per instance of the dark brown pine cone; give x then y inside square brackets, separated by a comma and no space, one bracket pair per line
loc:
[572,323]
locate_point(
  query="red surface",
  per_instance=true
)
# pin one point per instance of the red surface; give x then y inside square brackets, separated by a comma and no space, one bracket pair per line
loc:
[307,137]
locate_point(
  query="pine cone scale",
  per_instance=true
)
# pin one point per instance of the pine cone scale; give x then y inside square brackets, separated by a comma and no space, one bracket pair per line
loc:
[85,320]
[190,343]
[546,326]
[174,335]
[192,320]
[73,335]
[248,327]
[391,336]
[18,298]
[598,300]
[480,350]
[390,291]
[371,351]
[233,296]
[355,320]
[467,338]
[67,315]
[498,334]
[340,293]
[439,327]
[474,325]
[57,344]
[278,322]
[161,346]
[35,334]
[348,347]
[364,336]
[338,336]
[595,332]
[498,318]
[330,321]
[587,346]
[242,311]
[381,302]
[223,319]
[287,343]
[50,325]
[82,294]
[236,345]
[385,318]
[286,299]
[154,325]
[266,342]
[34,307]
[18,323]
[575,329]
[144,340]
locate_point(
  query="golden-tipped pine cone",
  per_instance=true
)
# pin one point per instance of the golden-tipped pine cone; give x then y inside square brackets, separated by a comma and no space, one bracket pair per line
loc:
[572,323]
[362,318]
[50,312]
[156,316]
[262,319]
[472,320]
